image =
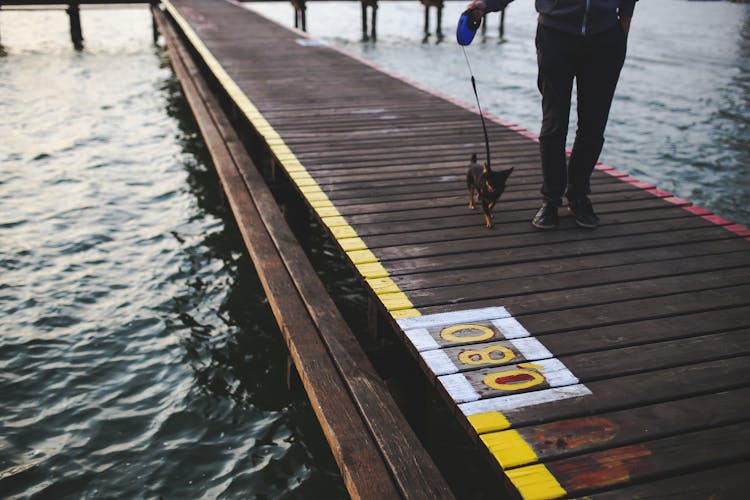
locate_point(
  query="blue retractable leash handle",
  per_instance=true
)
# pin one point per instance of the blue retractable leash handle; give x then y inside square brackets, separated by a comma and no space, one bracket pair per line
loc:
[465,31]
[467,28]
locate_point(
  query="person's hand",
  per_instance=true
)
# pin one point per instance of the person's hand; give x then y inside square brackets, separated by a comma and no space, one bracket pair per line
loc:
[624,23]
[478,9]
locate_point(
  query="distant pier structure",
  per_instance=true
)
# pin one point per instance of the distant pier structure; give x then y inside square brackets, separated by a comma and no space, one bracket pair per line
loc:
[73,9]
[369,23]
[369,30]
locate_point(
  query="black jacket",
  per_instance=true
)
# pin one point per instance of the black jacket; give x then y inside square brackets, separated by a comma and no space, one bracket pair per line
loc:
[580,17]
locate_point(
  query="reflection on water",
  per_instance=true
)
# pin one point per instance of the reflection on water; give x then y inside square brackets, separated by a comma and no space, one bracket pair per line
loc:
[138,354]
[682,110]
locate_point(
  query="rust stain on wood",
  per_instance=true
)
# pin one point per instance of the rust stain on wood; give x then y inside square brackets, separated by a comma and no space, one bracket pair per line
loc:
[573,434]
[607,468]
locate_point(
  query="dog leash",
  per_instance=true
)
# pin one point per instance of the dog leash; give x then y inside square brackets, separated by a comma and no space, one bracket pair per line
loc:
[481,115]
[465,31]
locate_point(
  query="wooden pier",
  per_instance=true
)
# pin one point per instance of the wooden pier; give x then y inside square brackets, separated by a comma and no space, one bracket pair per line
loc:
[612,363]
[73,9]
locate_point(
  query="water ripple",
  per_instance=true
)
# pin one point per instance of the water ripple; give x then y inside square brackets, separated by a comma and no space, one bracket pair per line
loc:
[138,355]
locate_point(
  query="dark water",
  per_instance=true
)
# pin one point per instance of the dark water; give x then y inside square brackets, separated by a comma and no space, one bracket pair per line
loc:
[681,115]
[138,354]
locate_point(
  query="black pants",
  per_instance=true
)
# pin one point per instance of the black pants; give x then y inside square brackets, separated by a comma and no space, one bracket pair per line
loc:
[594,62]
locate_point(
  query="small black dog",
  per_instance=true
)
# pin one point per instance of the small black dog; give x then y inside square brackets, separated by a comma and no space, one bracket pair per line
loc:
[488,184]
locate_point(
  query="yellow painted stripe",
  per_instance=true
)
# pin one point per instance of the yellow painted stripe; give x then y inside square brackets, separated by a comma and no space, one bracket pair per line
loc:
[320,202]
[535,482]
[343,232]
[383,285]
[405,313]
[334,221]
[509,448]
[372,270]
[361,256]
[490,421]
[328,212]
[351,244]
[313,191]
[395,301]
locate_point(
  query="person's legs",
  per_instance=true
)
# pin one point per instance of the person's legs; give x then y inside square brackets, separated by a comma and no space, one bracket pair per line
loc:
[596,79]
[556,58]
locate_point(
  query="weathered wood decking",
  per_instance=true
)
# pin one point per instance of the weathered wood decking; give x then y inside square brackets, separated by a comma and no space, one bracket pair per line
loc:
[611,362]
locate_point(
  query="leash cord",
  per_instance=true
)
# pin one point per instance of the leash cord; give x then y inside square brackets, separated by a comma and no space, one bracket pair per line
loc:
[481,115]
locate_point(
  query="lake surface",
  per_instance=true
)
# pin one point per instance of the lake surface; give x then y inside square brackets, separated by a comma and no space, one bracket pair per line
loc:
[681,114]
[138,355]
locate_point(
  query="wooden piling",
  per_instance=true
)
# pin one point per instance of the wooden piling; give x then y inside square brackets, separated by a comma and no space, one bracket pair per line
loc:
[300,10]
[76,34]
[373,4]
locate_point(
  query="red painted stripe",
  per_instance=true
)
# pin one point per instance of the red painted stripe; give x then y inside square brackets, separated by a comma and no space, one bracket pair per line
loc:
[738,229]
[615,173]
[678,201]
[660,193]
[695,209]
[637,182]
[717,219]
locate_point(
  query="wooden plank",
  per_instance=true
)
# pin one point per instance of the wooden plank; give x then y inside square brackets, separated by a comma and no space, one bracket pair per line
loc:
[644,332]
[513,201]
[591,433]
[462,217]
[628,464]
[508,253]
[482,240]
[408,462]
[444,186]
[657,355]
[505,210]
[508,283]
[577,293]
[636,310]
[546,267]
[723,482]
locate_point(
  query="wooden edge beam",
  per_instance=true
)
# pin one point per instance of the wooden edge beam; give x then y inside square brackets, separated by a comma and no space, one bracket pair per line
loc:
[357,456]
[410,465]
